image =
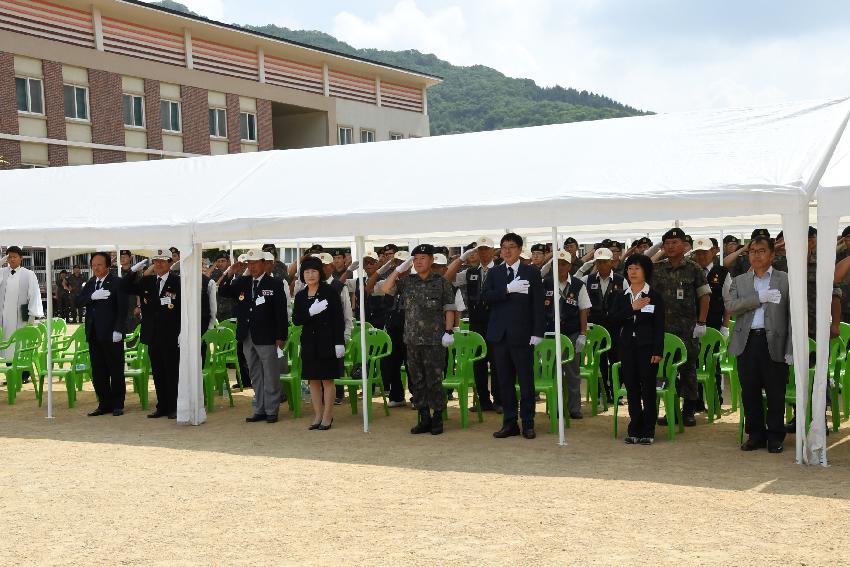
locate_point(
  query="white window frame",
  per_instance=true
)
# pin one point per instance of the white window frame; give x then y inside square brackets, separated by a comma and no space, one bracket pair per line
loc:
[248,127]
[218,135]
[29,95]
[339,130]
[367,131]
[179,115]
[88,104]
[396,136]
[32,166]
[132,107]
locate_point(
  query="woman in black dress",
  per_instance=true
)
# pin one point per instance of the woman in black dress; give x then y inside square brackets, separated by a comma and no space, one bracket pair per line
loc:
[318,310]
[639,315]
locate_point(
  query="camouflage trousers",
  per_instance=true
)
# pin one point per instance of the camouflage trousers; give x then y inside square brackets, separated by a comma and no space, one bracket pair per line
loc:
[686,385]
[426,365]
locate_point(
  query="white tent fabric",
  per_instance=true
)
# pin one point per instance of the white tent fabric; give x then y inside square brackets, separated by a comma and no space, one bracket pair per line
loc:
[696,165]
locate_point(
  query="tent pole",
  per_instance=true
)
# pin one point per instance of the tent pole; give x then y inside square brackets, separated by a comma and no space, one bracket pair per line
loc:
[559,369]
[49,287]
[816,440]
[367,395]
[722,247]
[230,247]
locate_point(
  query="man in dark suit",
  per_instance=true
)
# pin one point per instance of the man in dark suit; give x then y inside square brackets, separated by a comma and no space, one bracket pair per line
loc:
[262,327]
[514,293]
[159,289]
[106,308]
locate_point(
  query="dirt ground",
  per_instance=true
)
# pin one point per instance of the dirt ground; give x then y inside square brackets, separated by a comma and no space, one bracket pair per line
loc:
[130,491]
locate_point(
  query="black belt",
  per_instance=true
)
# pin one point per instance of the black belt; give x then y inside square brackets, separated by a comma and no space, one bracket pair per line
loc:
[757,332]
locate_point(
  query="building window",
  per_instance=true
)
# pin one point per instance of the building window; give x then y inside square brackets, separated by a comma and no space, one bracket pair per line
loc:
[395,136]
[31,166]
[218,122]
[248,126]
[170,111]
[76,102]
[346,136]
[134,111]
[30,95]
[367,136]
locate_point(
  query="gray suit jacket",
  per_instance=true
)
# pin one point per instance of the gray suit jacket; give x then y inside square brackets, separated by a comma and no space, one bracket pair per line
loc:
[742,302]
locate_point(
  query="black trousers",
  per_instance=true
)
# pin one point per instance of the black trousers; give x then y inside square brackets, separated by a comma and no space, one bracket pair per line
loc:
[243,367]
[107,373]
[486,377]
[165,365]
[391,365]
[512,362]
[638,375]
[606,361]
[757,372]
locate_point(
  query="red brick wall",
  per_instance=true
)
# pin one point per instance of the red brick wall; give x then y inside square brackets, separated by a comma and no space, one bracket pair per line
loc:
[10,150]
[153,117]
[54,101]
[107,125]
[196,121]
[234,144]
[264,125]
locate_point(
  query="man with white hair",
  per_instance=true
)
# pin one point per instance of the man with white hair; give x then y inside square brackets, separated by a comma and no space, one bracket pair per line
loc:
[20,296]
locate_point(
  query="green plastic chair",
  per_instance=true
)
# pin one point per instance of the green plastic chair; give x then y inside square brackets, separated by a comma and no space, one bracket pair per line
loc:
[219,340]
[464,324]
[140,372]
[378,346]
[469,347]
[79,367]
[233,357]
[710,352]
[598,342]
[674,356]
[292,380]
[24,359]
[545,380]
[729,368]
[843,362]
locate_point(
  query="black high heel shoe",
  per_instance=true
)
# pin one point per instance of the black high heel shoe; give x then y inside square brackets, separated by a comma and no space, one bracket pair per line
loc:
[315,426]
[323,427]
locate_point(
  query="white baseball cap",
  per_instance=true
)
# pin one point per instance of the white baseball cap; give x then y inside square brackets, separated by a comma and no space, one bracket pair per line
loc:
[371,255]
[242,258]
[256,254]
[702,244]
[484,241]
[324,257]
[440,259]
[161,255]
[402,255]
[603,254]
[525,255]
[565,256]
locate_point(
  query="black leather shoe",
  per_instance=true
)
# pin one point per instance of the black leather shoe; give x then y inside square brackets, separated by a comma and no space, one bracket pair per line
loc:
[271,419]
[576,415]
[323,427]
[528,432]
[507,430]
[256,417]
[774,447]
[172,415]
[97,412]
[424,425]
[689,420]
[117,412]
[791,427]
[157,414]
[314,426]
[752,445]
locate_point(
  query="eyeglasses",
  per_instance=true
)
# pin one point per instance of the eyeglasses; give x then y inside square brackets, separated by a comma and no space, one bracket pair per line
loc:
[759,251]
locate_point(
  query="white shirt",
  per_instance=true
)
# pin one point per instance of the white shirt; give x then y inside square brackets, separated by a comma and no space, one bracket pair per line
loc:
[514,267]
[162,282]
[760,283]
[347,314]
[644,291]
[583,298]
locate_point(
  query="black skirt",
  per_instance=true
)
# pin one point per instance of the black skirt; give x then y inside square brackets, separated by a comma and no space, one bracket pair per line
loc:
[320,368]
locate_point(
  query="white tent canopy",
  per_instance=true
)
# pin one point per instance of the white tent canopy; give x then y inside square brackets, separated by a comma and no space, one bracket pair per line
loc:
[696,165]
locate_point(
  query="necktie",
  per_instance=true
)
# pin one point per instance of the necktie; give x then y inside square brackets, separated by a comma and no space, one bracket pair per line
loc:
[159,285]
[99,283]
[13,272]
[510,273]
[256,285]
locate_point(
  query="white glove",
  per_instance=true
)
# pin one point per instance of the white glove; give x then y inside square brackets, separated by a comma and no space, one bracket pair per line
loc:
[385,268]
[404,266]
[448,340]
[518,286]
[353,266]
[174,265]
[724,331]
[581,341]
[770,296]
[789,359]
[139,266]
[318,307]
[116,336]
[340,350]
[535,341]
[100,294]
[699,331]
[468,254]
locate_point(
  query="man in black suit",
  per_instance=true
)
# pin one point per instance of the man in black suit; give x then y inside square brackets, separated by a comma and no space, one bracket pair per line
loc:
[106,309]
[514,293]
[262,327]
[159,289]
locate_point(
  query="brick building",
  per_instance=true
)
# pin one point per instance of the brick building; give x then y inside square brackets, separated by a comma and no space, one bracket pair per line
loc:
[113,80]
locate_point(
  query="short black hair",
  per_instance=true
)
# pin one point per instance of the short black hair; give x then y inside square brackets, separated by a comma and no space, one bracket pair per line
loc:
[106,256]
[75,267]
[512,237]
[641,260]
[63,272]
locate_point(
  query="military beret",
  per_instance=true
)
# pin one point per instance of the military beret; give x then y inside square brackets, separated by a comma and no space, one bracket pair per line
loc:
[570,240]
[689,239]
[643,240]
[607,243]
[221,255]
[673,233]
[760,234]
[339,252]
[730,238]
[538,248]
[173,250]
[125,253]
[616,244]
[269,247]
[812,232]
[423,249]
[315,248]
[389,247]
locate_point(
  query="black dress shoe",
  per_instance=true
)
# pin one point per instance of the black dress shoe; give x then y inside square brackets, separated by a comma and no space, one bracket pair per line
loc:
[172,415]
[528,432]
[271,419]
[752,445]
[157,414]
[117,412]
[256,417]
[774,447]
[791,427]
[314,426]
[689,420]
[507,430]
[98,412]
[323,427]
[576,415]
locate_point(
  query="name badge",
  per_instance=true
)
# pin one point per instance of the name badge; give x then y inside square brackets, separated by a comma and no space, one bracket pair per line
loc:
[267,292]
[473,277]
[680,294]
[165,300]
[260,300]
[648,308]
[594,286]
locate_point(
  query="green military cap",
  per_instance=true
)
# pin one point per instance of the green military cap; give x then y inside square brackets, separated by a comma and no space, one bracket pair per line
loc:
[607,243]
[643,240]
[423,249]
[689,239]
[760,234]
[673,233]
[570,240]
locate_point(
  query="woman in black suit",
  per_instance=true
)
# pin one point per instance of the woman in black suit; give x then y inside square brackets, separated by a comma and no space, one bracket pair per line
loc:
[318,309]
[639,315]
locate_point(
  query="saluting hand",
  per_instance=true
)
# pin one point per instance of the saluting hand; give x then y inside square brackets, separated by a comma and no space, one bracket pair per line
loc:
[640,303]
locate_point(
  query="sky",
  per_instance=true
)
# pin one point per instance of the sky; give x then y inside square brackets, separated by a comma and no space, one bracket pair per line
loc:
[660,55]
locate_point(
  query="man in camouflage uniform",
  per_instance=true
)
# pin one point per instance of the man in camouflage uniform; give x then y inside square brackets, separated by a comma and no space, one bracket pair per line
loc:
[280,270]
[429,316]
[686,295]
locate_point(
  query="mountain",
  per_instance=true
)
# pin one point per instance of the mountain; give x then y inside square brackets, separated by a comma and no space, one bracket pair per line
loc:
[470,99]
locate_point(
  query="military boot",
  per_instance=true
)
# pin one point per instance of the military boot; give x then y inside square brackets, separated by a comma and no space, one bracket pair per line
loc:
[424,425]
[437,422]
